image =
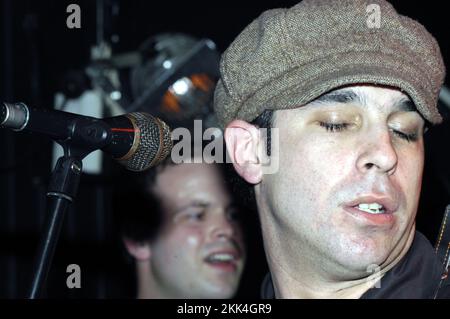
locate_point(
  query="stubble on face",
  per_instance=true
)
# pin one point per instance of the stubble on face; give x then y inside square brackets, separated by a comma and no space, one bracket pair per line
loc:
[306,230]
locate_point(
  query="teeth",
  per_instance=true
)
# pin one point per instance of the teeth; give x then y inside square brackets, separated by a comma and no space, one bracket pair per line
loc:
[220,257]
[371,208]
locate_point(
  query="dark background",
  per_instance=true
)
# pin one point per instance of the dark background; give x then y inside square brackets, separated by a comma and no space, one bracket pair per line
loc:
[37,51]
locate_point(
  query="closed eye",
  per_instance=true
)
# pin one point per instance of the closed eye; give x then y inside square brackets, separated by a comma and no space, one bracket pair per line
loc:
[411,137]
[337,127]
[334,127]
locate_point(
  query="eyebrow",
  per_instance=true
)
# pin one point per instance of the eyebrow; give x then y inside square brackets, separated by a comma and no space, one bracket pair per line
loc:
[349,96]
[343,96]
[405,104]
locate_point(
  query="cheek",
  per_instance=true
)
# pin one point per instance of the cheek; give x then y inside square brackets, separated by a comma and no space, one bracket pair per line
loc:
[310,169]
[187,237]
[409,173]
[180,242]
[239,237]
[193,240]
[315,164]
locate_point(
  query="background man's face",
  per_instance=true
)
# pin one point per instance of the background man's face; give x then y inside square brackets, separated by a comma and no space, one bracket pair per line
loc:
[199,252]
[353,147]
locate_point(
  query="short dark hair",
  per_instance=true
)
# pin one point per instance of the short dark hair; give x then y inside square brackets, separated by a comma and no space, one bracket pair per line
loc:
[265,120]
[137,208]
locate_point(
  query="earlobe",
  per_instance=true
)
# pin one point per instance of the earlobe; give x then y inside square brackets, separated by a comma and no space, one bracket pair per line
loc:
[243,140]
[139,250]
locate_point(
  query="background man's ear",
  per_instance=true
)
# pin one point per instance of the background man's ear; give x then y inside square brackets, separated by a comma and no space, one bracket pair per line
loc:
[243,140]
[139,250]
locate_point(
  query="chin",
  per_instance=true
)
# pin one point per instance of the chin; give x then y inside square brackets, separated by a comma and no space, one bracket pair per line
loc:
[366,255]
[368,264]
[220,296]
[221,291]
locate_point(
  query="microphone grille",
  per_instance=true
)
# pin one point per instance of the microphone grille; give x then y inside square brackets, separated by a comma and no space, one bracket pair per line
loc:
[152,144]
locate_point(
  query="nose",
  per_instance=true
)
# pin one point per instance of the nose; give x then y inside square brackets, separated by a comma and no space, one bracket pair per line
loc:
[222,227]
[378,153]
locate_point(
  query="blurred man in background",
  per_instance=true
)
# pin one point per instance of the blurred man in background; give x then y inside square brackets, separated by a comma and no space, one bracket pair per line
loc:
[183,233]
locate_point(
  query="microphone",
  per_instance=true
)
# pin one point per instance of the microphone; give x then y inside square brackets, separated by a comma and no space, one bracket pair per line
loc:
[136,140]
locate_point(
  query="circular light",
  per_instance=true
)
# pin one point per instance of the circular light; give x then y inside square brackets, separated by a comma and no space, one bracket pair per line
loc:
[167,64]
[181,86]
[115,95]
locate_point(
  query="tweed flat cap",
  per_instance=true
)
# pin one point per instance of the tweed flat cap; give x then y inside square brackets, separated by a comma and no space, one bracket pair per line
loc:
[288,57]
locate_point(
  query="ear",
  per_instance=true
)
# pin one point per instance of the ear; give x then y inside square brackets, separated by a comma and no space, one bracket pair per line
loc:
[243,141]
[139,250]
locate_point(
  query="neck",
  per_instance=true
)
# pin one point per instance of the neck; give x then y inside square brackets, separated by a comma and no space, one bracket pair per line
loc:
[146,286]
[286,287]
[312,284]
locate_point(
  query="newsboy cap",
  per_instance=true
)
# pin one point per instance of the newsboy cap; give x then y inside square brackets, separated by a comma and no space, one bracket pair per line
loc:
[288,57]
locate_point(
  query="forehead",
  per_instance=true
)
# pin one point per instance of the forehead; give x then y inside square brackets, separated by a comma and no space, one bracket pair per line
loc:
[180,184]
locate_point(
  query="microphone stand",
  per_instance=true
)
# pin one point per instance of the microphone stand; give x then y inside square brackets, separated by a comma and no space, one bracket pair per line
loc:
[62,189]
[61,193]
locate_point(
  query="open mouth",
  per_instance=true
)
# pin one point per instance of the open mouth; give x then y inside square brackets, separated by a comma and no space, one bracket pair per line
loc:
[375,210]
[371,208]
[225,261]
